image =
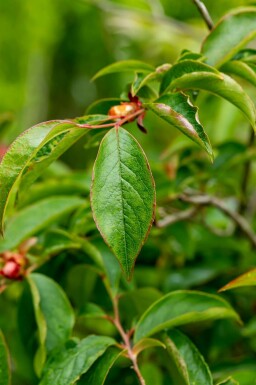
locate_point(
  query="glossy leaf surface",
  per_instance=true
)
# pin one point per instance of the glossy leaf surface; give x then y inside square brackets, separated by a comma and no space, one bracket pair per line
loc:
[123,196]
[125,66]
[247,279]
[189,74]
[5,373]
[97,374]
[66,366]
[187,364]
[232,33]
[182,307]
[178,110]
[242,69]
[34,218]
[54,315]
[147,343]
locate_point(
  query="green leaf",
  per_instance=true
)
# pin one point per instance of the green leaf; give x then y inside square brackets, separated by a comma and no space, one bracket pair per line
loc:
[178,110]
[36,217]
[242,69]
[31,153]
[232,33]
[97,374]
[190,74]
[123,196]
[91,310]
[247,279]
[182,307]
[54,316]
[103,105]
[5,373]
[124,66]
[228,381]
[187,364]
[66,365]
[147,343]
[141,79]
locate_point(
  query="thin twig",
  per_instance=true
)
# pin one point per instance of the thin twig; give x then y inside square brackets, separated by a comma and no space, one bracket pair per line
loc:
[177,217]
[204,13]
[240,221]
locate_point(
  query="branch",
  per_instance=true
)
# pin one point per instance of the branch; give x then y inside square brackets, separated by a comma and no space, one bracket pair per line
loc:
[177,217]
[204,13]
[241,222]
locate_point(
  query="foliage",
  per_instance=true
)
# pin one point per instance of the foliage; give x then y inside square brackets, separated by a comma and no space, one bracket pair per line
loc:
[76,309]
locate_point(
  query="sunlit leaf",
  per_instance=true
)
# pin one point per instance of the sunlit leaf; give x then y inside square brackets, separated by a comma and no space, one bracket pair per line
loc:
[67,364]
[178,110]
[125,66]
[5,372]
[54,316]
[190,74]
[123,196]
[186,363]
[247,279]
[182,307]
[147,343]
[242,69]
[232,33]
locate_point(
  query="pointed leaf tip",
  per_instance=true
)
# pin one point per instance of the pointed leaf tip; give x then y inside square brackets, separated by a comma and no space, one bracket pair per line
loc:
[123,196]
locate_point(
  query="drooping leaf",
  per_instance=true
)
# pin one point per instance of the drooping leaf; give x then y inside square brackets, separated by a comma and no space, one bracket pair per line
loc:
[247,279]
[187,364]
[178,110]
[123,196]
[242,69]
[5,372]
[66,365]
[232,33]
[34,218]
[141,79]
[31,153]
[190,74]
[97,374]
[228,381]
[179,308]
[147,343]
[54,316]
[124,66]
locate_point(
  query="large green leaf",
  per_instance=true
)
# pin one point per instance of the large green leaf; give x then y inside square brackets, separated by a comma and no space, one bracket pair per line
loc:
[54,316]
[242,69]
[66,365]
[5,373]
[182,307]
[232,33]
[247,279]
[178,110]
[187,364]
[31,153]
[34,218]
[97,374]
[123,196]
[125,66]
[190,74]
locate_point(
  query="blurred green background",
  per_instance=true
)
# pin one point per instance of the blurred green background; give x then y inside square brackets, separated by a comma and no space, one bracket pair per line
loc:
[49,50]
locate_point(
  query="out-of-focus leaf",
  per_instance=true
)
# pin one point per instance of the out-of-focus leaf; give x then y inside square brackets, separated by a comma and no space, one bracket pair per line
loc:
[5,372]
[187,364]
[190,74]
[178,110]
[91,310]
[123,196]
[97,374]
[141,79]
[147,343]
[242,69]
[247,279]
[103,105]
[228,381]
[67,364]
[54,316]
[151,373]
[34,218]
[232,33]
[182,307]
[124,66]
